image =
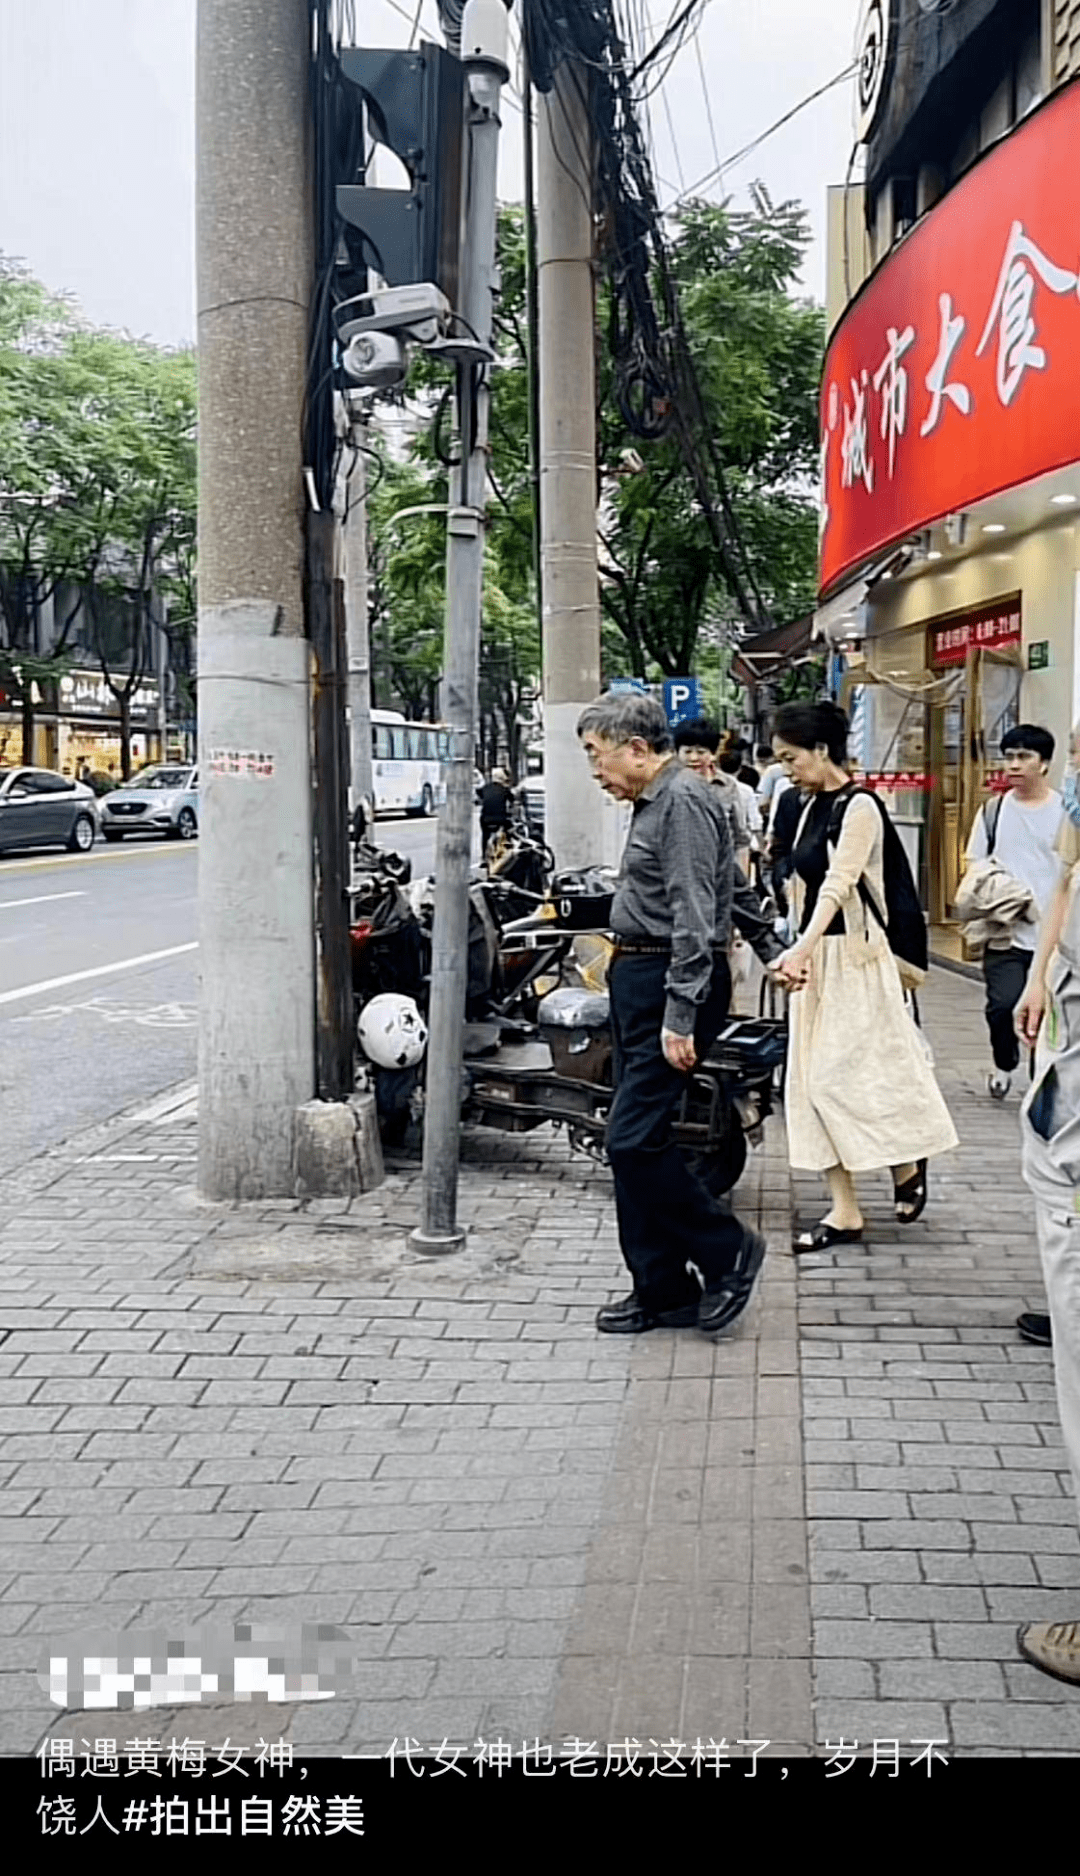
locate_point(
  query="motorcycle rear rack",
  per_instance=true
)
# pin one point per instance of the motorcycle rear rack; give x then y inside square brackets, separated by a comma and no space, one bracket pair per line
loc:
[532,1096]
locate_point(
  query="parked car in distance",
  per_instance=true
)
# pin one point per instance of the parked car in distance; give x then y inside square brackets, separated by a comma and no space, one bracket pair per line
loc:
[533,799]
[162,800]
[39,808]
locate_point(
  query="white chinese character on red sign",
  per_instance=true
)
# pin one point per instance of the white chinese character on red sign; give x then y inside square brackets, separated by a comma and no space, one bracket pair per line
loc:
[1012,307]
[854,447]
[892,374]
[952,331]
[823,487]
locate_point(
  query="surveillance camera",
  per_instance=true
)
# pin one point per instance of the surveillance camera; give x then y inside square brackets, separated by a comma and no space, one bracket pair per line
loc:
[375,359]
[485,35]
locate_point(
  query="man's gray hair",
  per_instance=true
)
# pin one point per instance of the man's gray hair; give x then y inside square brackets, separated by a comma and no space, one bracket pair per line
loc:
[619,715]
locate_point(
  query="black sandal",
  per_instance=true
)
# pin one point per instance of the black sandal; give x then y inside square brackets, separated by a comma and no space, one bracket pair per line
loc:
[824,1236]
[913,1193]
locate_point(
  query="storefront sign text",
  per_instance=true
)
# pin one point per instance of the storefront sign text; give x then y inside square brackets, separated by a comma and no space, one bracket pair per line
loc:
[989,628]
[952,375]
[893,781]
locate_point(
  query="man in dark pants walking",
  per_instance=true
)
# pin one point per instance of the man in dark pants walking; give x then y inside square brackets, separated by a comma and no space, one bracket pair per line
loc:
[692,1262]
[1018,831]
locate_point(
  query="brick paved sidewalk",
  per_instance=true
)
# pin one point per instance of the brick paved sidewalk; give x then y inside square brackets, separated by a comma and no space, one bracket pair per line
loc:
[829,1522]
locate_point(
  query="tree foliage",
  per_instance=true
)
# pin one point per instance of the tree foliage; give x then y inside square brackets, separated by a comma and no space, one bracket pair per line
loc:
[407,560]
[757,353]
[97,490]
[666,602]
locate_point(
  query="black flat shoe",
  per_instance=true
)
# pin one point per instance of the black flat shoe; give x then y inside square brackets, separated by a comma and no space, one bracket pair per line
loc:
[823,1237]
[630,1317]
[913,1193]
[721,1306]
[1036,1329]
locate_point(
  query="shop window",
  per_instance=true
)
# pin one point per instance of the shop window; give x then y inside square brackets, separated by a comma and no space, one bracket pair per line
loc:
[1029,84]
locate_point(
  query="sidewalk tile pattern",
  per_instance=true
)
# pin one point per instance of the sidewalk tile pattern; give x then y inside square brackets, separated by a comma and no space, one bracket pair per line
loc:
[825,1524]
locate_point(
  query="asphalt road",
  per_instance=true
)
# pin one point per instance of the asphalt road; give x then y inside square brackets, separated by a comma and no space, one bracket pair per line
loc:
[99,970]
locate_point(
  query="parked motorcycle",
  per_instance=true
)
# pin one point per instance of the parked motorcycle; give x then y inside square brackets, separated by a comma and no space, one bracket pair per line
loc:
[538,1037]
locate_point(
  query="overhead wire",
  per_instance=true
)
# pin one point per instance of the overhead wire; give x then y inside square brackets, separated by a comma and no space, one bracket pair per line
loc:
[755,143]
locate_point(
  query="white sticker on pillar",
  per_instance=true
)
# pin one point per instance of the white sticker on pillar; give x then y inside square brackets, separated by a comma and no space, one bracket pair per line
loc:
[240,762]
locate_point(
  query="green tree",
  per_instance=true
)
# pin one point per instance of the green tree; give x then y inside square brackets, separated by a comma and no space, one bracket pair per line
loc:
[97,491]
[757,353]
[407,560]
[666,592]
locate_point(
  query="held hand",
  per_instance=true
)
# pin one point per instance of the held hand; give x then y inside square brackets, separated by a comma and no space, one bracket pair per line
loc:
[679,1051]
[1029,1012]
[792,969]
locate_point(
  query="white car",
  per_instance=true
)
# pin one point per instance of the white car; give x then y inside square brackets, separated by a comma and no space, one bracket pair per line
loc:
[161,800]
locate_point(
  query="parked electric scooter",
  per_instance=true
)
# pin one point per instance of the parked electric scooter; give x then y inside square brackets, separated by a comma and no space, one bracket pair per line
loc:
[538,1037]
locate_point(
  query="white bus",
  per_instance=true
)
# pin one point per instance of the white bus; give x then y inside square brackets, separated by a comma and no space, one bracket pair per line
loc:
[407,762]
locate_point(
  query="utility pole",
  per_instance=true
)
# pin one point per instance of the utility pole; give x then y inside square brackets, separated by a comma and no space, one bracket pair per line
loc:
[483,51]
[580,827]
[361,774]
[257,1005]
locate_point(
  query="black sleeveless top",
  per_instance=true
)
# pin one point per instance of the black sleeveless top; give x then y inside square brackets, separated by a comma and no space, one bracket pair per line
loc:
[811,857]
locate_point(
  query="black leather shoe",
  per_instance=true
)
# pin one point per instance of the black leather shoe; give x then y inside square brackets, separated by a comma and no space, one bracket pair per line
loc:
[630,1317]
[720,1306]
[1035,1328]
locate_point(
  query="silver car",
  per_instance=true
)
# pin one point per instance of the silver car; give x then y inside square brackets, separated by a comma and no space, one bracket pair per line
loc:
[161,800]
[41,809]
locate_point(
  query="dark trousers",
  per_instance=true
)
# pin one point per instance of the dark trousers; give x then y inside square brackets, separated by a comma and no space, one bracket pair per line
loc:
[667,1218]
[1006,973]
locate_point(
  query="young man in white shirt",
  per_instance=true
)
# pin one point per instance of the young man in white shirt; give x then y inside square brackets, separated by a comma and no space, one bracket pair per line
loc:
[1020,834]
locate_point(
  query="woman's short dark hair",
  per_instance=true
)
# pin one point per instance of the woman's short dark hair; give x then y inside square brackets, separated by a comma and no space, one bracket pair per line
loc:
[697,733]
[809,724]
[1029,736]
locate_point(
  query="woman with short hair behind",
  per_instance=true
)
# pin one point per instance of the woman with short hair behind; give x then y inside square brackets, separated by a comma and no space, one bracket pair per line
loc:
[860,1092]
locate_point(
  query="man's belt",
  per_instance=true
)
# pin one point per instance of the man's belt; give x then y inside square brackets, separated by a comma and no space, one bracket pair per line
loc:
[650,948]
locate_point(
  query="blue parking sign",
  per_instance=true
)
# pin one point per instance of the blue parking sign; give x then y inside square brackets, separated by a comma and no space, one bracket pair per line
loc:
[682,699]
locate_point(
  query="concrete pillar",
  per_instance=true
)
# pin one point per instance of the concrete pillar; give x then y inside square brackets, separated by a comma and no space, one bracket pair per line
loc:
[576,824]
[254,244]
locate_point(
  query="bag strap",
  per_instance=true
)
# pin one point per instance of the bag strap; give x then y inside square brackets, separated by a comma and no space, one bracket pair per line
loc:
[991,817]
[839,809]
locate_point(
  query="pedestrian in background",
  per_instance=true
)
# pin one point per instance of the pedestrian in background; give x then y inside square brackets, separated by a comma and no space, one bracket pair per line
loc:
[1018,830]
[691,1260]
[1048,1020]
[496,800]
[860,1093]
[696,745]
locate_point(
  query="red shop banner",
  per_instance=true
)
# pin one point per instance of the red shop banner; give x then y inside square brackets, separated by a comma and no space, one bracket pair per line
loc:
[991,627]
[954,373]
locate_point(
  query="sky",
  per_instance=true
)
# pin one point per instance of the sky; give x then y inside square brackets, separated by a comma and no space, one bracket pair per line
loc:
[97,134]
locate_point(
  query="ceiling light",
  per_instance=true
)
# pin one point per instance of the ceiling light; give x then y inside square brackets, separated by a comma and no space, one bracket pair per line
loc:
[994,527]
[1063,501]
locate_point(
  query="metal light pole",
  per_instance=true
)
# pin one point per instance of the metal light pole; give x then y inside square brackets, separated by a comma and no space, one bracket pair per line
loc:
[487,71]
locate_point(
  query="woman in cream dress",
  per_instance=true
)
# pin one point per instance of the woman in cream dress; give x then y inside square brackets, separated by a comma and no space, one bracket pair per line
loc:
[860,1092]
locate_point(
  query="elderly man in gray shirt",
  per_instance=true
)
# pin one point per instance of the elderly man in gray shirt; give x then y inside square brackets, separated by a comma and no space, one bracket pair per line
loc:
[692,1262]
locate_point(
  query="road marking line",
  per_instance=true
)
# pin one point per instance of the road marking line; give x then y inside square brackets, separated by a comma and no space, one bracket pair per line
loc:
[100,970]
[43,898]
[95,857]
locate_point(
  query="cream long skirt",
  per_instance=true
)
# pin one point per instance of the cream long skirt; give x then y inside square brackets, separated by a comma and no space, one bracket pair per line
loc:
[860,1091]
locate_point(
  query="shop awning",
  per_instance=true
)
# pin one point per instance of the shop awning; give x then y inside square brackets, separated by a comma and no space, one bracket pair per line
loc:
[767,653]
